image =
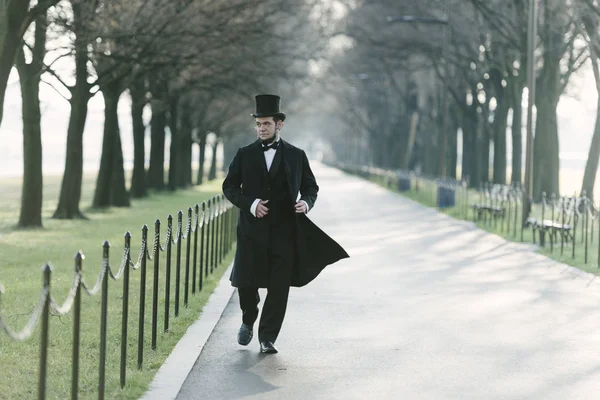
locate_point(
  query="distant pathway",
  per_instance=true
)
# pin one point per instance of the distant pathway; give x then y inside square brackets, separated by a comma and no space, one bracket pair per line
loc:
[427,307]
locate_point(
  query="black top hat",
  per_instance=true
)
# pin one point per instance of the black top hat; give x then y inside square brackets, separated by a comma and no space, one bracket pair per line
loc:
[267,105]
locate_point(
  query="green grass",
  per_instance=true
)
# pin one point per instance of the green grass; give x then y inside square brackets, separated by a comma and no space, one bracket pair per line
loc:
[23,252]
[426,195]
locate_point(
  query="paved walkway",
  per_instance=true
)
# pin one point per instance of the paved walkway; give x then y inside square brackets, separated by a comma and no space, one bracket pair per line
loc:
[427,307]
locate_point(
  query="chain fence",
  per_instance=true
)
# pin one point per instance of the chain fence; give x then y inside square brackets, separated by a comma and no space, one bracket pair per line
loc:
[212,223]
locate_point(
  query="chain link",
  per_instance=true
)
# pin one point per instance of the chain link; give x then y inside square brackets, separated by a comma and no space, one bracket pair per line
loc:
[154,246]
[167,238]
[200,222]
[138,264]
[93,291]
[31,324]
[210,212]
[106,270]
[121,267]
[66,307]
[176,238]
[188,228]
[195,224]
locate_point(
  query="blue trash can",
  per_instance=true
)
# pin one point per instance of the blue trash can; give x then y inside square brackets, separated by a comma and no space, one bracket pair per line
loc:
[403,183]
[446,194]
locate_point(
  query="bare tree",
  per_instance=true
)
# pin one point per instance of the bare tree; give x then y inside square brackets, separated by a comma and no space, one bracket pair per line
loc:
[15,18]
[589,13]
[418,42]
[137,90]
[29,78]
[561,58]
[80,92]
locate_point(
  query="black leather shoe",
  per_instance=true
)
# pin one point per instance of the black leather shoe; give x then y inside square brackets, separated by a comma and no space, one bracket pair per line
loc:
[245,334]
[267,347]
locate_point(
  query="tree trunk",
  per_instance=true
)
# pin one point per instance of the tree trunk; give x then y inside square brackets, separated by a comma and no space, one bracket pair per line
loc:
[500,123]
[469,151]
[180,161]
[231,146]
[174,153]
[156,171]
[29,78]
[70,190]
[452,143]
[110,184]
[212,174]
[412,134]
[516,128]
[201,157]
[591,165]
[430,148]
[138,178]
[119,195]
[381,148]
[12,16]
[186,148]
[545,146]
[484,148]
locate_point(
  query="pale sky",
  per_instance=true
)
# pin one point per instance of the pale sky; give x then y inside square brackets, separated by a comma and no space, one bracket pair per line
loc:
[576,113]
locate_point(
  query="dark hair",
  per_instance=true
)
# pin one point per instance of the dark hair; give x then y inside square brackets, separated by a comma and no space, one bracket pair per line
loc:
[276,118]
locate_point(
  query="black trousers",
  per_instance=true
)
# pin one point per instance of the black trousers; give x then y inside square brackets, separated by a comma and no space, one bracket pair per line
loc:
[281,257]
[273,312]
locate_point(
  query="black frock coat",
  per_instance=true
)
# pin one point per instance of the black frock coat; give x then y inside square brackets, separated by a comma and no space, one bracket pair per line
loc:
[248,180]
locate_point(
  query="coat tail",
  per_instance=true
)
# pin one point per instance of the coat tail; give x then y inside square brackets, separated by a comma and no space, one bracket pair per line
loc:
[316,250]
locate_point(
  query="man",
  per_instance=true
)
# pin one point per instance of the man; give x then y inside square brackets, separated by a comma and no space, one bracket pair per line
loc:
[277,245]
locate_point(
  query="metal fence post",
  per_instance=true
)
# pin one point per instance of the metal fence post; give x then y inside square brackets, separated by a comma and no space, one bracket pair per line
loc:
[201,269]
[103,322]
[156,251]
[586,215]
[187,258]
[218,228]
[562,236]
[515,211]
[583,216]
[125,312]
[212,235]
[196,211]
[178,262]
[553,201]
[76,327]
[226,216]
[575,220]
[223,229]
[47,274]
[598,264]
[142,298]
[208,225]
[168,274]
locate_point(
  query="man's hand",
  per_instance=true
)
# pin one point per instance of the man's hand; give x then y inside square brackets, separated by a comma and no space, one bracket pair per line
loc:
[301,207]
[261,209]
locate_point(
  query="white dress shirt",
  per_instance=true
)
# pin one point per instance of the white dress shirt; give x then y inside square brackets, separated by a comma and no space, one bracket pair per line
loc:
[269,156]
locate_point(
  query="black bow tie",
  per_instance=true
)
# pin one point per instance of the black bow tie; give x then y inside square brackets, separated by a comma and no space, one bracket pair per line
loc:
[273,146]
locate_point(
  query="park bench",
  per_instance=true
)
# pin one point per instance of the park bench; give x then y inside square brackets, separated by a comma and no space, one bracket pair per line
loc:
[492,202]
[482,210]
[563,218]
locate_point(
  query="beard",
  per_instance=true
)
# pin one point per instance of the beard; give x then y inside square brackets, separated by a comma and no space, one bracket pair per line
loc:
[266,142]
